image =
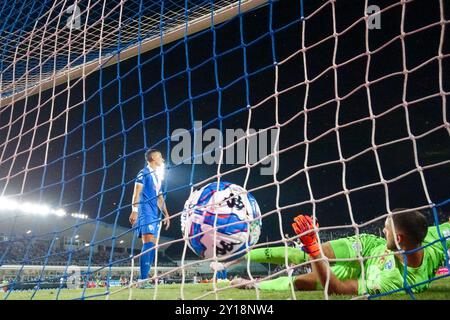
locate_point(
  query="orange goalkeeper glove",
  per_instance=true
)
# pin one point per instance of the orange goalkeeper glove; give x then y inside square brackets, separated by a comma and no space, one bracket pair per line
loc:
[310,244]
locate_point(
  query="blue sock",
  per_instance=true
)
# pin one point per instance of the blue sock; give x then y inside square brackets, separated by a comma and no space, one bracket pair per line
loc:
[146,259]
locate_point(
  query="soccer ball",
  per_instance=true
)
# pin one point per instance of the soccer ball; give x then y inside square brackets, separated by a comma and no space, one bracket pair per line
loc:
[220,205]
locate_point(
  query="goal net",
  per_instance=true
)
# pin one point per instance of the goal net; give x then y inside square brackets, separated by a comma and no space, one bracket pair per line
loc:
[335,109]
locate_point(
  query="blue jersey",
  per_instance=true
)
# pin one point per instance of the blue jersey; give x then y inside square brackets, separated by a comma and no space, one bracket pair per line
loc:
[148,199]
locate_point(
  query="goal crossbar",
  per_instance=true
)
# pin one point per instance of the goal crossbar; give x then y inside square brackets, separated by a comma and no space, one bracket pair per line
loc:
[175,33]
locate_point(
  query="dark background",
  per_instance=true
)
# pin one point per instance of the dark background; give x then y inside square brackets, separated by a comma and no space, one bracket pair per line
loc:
[138,103]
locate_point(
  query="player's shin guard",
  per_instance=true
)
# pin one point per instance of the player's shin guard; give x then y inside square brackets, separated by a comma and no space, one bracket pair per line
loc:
[146,259]
[276,255]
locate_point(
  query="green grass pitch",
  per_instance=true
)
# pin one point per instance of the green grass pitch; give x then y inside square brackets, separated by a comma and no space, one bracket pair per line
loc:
[439,290]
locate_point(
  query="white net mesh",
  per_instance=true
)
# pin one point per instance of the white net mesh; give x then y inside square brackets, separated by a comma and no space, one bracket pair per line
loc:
[338,110]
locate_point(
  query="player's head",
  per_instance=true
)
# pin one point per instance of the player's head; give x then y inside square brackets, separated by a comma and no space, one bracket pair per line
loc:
[154,156]
[410,229]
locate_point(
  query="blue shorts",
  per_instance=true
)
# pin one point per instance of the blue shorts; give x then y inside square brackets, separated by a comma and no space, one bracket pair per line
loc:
[147,225]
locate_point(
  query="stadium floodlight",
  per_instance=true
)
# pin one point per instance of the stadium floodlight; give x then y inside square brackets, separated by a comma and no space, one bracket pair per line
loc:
[41,209]
[59,212]
[79,216]
[8,205]
[29,208]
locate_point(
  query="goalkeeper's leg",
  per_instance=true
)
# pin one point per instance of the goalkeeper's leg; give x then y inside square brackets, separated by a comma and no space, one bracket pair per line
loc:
[310,281]
[275,255]
[304,282]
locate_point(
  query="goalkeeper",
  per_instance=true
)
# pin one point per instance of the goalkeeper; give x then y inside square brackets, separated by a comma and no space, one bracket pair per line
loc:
[383,265]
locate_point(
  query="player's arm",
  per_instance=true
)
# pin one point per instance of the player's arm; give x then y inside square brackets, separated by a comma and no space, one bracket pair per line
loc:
[135,202]
[163,208]
[335,285]
[304,224]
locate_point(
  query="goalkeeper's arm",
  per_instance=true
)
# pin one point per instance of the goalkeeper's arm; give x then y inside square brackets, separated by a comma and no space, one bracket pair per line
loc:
[303,224]
[334,284]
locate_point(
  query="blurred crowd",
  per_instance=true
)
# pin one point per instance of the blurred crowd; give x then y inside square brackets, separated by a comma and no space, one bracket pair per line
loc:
[40,252]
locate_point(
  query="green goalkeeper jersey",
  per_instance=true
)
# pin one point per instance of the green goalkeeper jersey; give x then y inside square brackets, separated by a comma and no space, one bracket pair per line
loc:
[383,274]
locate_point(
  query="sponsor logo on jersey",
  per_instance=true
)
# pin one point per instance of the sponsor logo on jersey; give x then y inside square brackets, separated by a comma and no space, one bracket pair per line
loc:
[383,258]
[356,246]
[388,265]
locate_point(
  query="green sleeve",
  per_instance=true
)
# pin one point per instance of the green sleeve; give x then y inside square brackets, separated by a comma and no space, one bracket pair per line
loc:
[433,234]
[348,248]
[436,251]
[277,255]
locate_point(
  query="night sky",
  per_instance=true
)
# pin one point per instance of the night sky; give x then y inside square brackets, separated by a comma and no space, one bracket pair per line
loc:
[91,169]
